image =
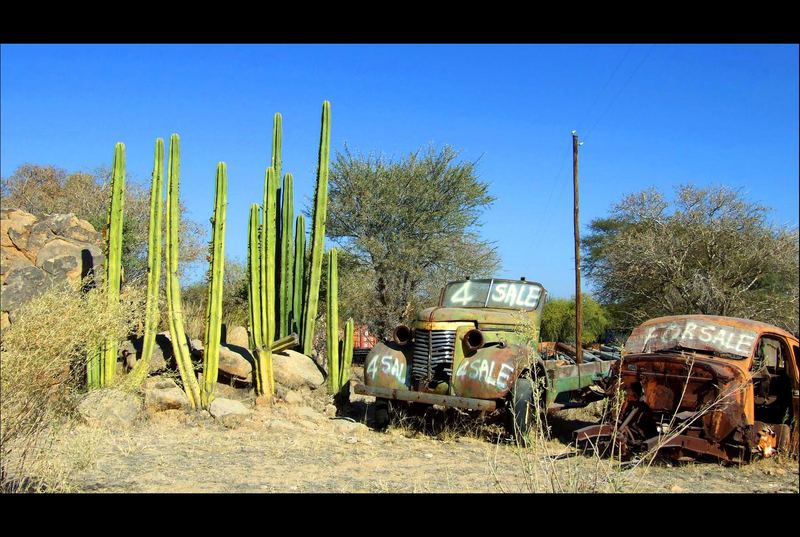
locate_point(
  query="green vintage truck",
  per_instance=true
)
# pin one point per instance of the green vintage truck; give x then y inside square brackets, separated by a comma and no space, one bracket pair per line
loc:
[477,350]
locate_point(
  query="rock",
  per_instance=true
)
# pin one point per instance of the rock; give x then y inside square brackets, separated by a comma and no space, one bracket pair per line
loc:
[110,407]
[309,414]
[293,370]
[229,412]
[292,397]
[36,252]
[349,427]
[164,394]
[22,285]
[330,410]
[4,321]
[675,488]
[352,440]
[238,336]
[196,345]
[234,363]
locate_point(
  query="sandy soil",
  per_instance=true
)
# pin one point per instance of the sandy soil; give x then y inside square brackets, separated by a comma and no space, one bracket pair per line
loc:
[298,448]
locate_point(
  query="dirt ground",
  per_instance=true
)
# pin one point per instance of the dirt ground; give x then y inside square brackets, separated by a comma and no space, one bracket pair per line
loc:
[298,448]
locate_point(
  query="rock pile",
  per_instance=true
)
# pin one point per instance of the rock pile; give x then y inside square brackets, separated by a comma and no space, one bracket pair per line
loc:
[36,253]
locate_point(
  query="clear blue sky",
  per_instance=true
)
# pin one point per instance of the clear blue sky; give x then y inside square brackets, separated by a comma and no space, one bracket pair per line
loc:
[657,115]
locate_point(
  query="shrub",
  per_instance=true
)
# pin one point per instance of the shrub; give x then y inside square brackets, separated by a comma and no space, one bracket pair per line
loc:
[42,368]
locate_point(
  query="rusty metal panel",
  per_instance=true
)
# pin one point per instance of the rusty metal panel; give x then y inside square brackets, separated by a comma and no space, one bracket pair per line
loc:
[489,373]
[388,366]
[425,397]
[692,333]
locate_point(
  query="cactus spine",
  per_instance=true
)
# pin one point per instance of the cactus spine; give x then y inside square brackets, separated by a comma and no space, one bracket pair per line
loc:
[177,333]
[299,271]
[287,255]
[153,266]
[102,366]
[318,231]
[254,278]
[268,236]
[214,305]
[332,322]
[347,354]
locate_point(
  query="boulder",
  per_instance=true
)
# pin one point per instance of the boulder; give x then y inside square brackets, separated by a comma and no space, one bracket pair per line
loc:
[238,336]
[110,407]
[229,412]
[37,252]
[164,394]
[236,363]
[294,370]
[292,397]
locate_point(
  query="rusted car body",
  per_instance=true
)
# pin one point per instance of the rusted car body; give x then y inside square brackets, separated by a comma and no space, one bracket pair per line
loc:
[702,385]
[468,352]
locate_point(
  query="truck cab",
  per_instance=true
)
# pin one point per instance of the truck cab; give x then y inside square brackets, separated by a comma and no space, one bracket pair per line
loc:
[477,349]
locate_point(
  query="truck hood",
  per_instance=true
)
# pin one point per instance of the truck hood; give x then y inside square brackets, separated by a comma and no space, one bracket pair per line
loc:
[478,315]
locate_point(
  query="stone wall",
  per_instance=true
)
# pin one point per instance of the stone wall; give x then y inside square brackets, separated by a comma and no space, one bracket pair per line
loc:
[36,252]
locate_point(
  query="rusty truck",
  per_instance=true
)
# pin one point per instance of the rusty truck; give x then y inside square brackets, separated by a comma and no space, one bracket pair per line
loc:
[693,386]
[477,350]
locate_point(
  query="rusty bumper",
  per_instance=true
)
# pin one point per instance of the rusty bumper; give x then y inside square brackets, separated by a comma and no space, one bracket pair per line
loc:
[426,398]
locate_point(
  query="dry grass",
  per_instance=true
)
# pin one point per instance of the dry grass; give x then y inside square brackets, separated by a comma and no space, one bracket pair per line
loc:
[41,369]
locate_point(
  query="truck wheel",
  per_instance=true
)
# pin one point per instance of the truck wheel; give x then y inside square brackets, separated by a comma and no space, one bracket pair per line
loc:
[521,415]
[382,414]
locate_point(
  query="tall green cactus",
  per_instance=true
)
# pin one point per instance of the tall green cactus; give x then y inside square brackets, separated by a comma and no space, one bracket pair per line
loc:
[254,279]
[277,146]
[180,348]
[299,273]
[268,237]
[347,354]
[318,231]
[332,323]
[287,255]
[214,304]
[141,368]
[102,367]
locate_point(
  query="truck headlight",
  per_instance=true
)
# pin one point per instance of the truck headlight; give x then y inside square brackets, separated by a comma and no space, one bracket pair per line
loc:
[402,335]
[473,340]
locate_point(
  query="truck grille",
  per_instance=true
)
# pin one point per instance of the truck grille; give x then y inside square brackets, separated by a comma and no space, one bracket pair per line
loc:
[433,354]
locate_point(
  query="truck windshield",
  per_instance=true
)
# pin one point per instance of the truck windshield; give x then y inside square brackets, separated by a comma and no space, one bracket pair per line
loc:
[723,340]
[514,294]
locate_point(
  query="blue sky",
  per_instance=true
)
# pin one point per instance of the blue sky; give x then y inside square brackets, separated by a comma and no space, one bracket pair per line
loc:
[650,115]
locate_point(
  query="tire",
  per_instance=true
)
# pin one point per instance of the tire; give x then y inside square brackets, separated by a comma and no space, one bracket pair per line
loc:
[521,418]
[382,414]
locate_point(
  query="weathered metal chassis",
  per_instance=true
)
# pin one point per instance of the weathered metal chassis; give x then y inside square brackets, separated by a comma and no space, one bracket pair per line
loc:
[682,404]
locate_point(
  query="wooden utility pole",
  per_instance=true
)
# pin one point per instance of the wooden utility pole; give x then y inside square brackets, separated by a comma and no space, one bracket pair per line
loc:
[578,313]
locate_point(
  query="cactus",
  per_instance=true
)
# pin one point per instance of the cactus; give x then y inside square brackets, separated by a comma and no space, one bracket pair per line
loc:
[287,255]
[214,305]
[177,334]
[332,323]
[153,267]
[347,354]
[254,278]
[268,237]
[277,144]
[317,231]
[299,275]
[102,365]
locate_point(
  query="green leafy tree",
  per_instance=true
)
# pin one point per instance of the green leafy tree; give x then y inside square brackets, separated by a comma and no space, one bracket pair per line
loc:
[558,320]
[709,251]
[404,228]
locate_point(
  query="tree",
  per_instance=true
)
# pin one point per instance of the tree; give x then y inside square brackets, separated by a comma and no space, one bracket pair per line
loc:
[44,190]
[709,252]
[405,228]
[558,320]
